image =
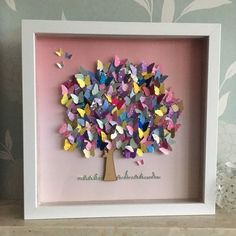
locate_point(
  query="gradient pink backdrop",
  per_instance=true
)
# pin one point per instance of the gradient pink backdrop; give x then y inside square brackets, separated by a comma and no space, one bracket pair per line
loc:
[58,170]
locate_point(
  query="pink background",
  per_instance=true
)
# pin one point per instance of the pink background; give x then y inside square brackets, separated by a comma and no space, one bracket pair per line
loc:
[58,170]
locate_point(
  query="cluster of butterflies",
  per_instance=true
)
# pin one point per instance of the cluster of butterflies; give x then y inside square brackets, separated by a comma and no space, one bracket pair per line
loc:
[121,106]
[60,53]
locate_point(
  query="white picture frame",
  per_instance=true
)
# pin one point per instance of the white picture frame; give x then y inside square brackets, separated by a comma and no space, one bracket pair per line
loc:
[31,28]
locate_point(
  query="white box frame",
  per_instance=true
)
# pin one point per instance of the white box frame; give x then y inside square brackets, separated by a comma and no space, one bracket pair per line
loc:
[30,28]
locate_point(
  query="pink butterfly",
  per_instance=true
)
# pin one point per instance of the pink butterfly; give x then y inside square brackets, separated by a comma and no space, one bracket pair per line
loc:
[169,96]
[110,90]
[130,129]
[88,145]
[116,61]
[140,162]
[124,86]
[164,151]
[63,128]
[146,91]
[64,89]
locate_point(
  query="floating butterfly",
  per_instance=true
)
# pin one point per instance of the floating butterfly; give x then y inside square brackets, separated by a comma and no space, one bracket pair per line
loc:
[59,52]
[140,162]
[68,55]
[60,65]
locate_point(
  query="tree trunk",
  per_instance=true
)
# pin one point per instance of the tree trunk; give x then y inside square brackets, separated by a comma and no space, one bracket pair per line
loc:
[110,172]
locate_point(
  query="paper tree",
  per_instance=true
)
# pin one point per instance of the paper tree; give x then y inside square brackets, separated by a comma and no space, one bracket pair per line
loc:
[121,106]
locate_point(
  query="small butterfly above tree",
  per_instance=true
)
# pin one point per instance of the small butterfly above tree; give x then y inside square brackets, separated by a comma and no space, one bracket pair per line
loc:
[120,106]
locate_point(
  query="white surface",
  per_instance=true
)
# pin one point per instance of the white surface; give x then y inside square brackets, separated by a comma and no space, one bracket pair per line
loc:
[29,29]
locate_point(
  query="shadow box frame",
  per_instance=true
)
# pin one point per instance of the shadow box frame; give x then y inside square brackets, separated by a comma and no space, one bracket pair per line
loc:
[32,28]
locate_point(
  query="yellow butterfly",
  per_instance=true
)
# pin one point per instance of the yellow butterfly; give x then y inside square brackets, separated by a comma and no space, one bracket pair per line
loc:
[136,87]
[140,133]
[162,88]
[163,109]
[120,111]
[79,127]
[72,148]
[175,107]
[143,148]
[108,97]
[68,103]
[86,153]
[157,90]
[87,80]
[159,112]
[139,152]
[82,131]
[143,134]
[166,132]
[87,110]
[81,112]
[148,75]
[106,67]
[59,52]
[99,65]
[81,83]
[104,136]
[67,145]
[64,99]
[114,110]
